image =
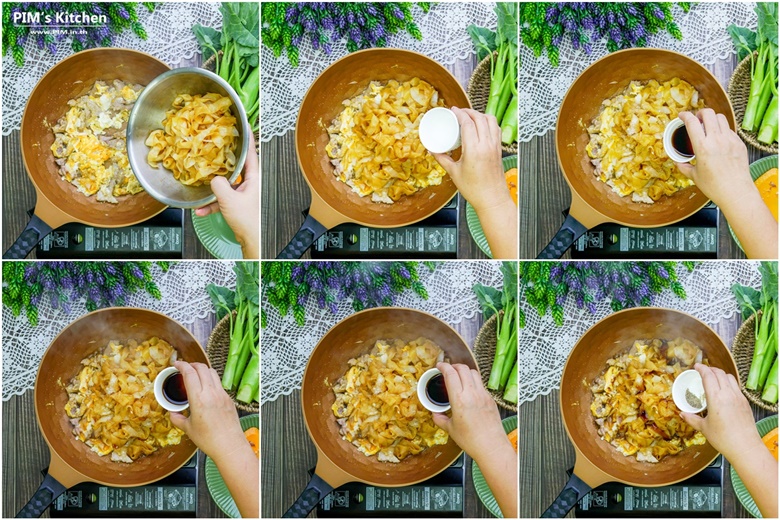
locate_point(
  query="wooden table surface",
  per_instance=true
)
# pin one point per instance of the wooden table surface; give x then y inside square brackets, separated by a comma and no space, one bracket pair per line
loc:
[287,453]
[285,193]
[19,193]
[544,193]
[25,452]
[546,452]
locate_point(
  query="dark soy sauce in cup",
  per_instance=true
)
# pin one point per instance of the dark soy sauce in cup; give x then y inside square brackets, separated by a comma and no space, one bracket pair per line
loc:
[174,390]
[436,391]
[681,142]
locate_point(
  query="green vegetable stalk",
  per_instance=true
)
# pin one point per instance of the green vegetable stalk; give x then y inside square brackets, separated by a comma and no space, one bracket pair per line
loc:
[511,389]
[239,42]
[761,46]
[770,391]
[241,368]
[493,302]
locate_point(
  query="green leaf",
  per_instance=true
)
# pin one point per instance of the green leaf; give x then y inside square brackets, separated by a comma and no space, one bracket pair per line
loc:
[209,40]
[484,40]
[767,22]
[507,23]
[744,40]
[768,272]
[748,299]
[489,299]
[222,298]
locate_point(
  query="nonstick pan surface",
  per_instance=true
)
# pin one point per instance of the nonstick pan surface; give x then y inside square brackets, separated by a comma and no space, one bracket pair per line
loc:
[72,461]
[593,202]
[597,461]
[338,461]
[59,202]
[333,202]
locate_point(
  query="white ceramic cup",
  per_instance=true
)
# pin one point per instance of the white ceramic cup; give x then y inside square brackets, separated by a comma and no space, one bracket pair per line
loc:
[160,396]
[673,154]
[439,130]
[422,395]
[688,379]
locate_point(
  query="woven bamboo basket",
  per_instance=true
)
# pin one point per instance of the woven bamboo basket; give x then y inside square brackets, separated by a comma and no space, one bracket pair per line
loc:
[217,351]
[742,350]
[209,65]
[485,351]
[478,91]
[739,92]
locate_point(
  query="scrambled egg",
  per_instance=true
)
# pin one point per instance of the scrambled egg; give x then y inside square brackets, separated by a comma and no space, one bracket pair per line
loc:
[626,139]
[377,405]
[198,140]
[111,400]
[375,145]
[90,145]
[632,400]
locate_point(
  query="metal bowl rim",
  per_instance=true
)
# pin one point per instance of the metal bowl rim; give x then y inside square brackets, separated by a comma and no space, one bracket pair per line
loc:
[131,124]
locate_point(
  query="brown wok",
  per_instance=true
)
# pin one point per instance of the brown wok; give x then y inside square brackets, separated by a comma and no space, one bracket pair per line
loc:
[597,461]
[332,201]
[338,461]
[58,201]
[592,201]
[72,461]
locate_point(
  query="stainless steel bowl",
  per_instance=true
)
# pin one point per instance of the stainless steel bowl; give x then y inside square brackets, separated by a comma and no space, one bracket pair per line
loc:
[147,115]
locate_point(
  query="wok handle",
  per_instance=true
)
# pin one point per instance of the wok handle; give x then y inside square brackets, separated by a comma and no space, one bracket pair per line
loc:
[35,231]
[570,231]
[309,498]
[49,490]
[310,231]
[575,489]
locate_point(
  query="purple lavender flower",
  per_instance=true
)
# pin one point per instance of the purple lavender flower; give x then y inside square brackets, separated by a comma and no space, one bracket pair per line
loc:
[658,13]
[630,9]
[93,293]
[136,271]
[292,13]
[620,294]
[404,272]
[370,9]
[592,308]
[663,273]
[556,271]
[123,12]
[397,13]
[334,308]
[360,293]
[560,300]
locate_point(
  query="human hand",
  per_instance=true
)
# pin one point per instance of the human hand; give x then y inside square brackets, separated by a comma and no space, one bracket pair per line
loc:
[479,174]
[722,170]
[475,424]
[240,206]
[213,422]
[729,425]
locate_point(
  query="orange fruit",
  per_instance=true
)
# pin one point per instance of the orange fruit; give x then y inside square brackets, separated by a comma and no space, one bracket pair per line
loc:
[513,438]
[511,182]
[770,441]
[767,187]
[253,437]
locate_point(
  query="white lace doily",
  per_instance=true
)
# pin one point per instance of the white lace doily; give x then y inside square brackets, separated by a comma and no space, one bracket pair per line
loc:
[184,298]
[170,39]
[285,347]
[545,346]
[444,39]
[542,86]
